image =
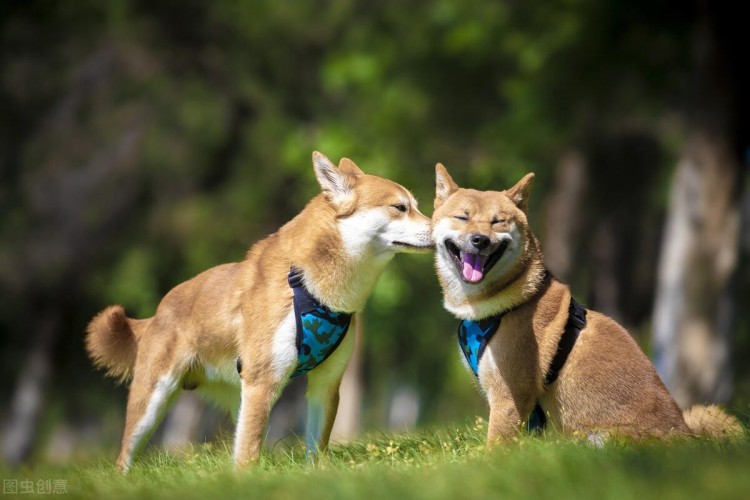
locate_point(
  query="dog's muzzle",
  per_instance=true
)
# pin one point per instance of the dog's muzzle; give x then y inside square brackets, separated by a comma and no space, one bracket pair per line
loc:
[473,266]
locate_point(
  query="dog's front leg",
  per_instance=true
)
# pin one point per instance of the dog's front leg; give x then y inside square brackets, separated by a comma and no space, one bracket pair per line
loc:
[504,421]
[507,413]
[323,397]
[258,396]
[322,403]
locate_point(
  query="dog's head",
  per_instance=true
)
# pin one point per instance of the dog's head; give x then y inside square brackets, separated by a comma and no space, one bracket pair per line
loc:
[480,236]
[375,216]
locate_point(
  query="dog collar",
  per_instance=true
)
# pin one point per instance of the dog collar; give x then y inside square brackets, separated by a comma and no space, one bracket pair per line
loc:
[319,330]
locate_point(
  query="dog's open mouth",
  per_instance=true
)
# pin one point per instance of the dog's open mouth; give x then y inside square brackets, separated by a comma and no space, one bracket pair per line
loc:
[473,267]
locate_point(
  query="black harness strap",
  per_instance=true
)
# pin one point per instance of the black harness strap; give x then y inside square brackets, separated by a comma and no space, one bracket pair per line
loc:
[576,323]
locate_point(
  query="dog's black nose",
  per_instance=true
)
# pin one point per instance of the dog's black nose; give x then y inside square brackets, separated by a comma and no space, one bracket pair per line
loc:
[480,241]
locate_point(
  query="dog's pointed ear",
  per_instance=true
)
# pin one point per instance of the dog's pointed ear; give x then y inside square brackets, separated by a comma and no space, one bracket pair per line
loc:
[519,194]
[349,167]
[444,185]
[337,186]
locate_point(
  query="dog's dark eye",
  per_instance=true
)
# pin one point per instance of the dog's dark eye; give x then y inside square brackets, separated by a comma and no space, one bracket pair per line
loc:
[400,207]
[498,221]
[461,217]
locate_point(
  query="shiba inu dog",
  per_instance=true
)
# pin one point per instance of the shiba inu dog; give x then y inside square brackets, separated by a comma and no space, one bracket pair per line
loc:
[538,355]
[237,332]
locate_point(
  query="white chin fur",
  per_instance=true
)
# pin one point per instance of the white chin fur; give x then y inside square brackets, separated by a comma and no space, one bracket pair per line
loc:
[373,231]
[361,233]
[367,238]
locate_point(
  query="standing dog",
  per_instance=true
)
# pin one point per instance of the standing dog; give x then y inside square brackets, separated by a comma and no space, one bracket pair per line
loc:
[537,354]
[282,311]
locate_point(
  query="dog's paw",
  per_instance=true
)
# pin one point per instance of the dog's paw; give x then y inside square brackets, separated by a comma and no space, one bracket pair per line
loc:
[596,439]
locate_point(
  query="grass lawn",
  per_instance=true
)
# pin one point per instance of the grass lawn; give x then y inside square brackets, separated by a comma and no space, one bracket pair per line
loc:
[444,463]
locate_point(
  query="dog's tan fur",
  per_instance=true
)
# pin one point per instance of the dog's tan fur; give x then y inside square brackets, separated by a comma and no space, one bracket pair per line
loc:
[341,241]
[607,384]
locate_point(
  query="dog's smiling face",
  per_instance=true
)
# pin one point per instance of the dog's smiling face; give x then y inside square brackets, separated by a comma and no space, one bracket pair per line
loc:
[479,235]
[474,254]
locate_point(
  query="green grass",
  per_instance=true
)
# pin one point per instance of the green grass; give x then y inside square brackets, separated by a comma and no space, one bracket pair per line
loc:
[445,463]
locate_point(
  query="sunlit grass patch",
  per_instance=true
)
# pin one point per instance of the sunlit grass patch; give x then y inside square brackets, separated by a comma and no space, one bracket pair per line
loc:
[445,462]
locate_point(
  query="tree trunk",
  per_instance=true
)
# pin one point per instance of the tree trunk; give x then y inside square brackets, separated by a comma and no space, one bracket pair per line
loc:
[563,214]
[606,286]
[694,309]
[20,434]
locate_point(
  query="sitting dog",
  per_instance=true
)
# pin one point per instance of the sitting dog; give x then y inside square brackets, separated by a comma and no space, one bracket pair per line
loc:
[281,312]
[539,356]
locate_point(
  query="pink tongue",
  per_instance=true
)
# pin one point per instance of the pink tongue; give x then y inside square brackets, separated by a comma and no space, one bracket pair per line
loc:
[473,265]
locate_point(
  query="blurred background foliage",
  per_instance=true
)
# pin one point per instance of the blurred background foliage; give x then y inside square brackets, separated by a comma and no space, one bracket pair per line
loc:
[142,142]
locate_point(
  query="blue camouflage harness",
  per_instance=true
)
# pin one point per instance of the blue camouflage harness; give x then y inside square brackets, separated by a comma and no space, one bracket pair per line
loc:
[319,330]
[473,337]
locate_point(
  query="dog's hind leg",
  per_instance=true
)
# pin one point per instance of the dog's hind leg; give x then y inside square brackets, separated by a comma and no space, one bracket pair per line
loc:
[152,391]
[323,397]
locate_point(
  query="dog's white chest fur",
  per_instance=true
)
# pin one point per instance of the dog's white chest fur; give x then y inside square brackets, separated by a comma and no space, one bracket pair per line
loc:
[285,346]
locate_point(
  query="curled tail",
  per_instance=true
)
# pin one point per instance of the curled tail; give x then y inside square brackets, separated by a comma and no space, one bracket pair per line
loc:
[711,421]
[112,341]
